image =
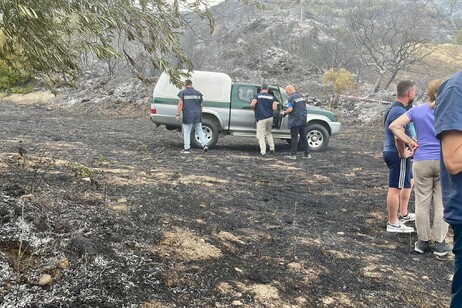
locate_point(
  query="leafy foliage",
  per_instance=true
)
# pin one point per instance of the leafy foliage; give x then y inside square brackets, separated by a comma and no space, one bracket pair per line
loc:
[49,35]
[79,170]
[14,81]
[339,82]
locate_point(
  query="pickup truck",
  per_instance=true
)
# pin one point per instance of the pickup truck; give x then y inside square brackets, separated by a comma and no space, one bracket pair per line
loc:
[226,110]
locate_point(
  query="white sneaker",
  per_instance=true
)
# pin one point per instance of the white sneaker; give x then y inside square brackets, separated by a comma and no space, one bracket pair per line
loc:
[399,228]
[409,217]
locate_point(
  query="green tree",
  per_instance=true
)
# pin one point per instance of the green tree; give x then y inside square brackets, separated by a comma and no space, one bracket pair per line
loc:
[49,35]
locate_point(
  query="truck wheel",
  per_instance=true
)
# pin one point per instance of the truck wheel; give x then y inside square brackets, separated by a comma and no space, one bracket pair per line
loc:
[318,137]
[210,130]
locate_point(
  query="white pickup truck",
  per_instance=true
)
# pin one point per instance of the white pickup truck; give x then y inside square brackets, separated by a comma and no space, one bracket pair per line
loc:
[226,110]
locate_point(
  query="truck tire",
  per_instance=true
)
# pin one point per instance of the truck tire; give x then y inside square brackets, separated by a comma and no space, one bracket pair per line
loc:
[211,132]
[318,137]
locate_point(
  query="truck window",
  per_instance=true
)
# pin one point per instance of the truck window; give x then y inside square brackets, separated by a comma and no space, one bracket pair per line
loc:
[246,93]
[285,97]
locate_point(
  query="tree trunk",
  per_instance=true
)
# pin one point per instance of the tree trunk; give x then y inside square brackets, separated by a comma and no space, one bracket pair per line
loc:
[390,80]
[377,83]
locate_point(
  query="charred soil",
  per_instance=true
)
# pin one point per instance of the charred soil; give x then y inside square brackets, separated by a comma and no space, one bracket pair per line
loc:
[114,214]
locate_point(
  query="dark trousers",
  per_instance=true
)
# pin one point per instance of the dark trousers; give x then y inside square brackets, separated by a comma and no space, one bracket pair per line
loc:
[294,133]
[456,292]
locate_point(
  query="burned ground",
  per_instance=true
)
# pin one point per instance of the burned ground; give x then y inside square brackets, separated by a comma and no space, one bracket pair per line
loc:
[109,208]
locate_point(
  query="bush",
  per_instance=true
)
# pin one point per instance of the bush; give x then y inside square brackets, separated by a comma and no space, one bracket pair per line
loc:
[458,37]
[14,81]
[338,82]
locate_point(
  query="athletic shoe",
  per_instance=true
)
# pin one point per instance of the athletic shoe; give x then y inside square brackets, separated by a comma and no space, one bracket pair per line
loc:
[306,156]
[205,148]
[441,249]
[186,151]
[293,157]
[271,152]
[399,228]
[421,246]
[409,217]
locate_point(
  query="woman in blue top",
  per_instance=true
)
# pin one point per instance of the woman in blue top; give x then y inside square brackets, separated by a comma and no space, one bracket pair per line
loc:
[426,171]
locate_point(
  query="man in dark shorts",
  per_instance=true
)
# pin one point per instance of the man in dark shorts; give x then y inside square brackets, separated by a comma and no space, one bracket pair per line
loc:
[397,156]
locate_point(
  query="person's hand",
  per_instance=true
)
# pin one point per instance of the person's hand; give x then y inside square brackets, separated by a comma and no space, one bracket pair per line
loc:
[408,153]
[178,118]
[282,113]
[413,145]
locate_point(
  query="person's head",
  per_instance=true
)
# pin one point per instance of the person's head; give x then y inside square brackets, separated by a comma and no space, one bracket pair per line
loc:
[188,83]
[405,91]
[264,87]
[432,90]
[290,90]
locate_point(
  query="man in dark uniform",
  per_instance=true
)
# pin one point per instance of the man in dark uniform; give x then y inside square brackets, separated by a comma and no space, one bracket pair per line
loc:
[264,103]
[297,122]
[190,103]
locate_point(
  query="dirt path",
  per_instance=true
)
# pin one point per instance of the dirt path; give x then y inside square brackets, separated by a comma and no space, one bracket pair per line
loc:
[142,225]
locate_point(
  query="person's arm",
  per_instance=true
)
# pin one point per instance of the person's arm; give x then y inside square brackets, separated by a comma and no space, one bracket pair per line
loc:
[403,151]
[397,128]
[288,110]
[179,108]
[451,150]
[253,103]
[275,105]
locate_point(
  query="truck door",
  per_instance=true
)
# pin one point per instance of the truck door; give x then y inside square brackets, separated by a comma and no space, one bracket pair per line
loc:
[242,117]
[277,118]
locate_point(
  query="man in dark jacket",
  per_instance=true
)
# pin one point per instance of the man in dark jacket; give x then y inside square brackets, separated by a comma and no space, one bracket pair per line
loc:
[264,103]
[297,122]
[190,103]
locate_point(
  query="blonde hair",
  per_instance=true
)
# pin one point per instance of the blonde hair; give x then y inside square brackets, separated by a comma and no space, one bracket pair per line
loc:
[432,91]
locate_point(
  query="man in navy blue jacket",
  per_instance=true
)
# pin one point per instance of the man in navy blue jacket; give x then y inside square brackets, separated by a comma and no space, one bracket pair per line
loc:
[297,122]
[264,103]
[190,103]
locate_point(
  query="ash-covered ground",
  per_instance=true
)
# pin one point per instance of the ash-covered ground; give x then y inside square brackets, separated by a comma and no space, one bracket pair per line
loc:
[102,210]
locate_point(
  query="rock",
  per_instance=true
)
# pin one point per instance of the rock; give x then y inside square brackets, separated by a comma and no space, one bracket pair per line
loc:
[237,303]
[122,200]
[63,263]
[45,280]
[26,197]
